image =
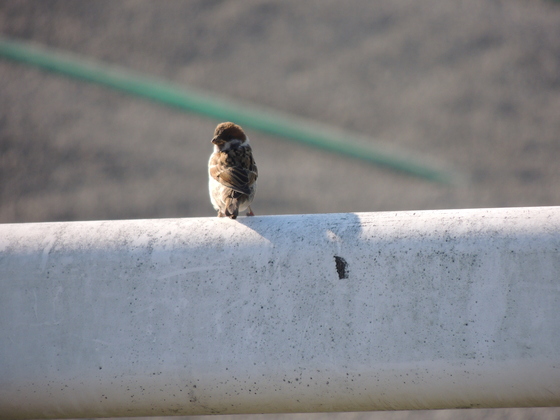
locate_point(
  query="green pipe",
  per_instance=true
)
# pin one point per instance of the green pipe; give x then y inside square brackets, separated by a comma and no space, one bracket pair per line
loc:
[267,121]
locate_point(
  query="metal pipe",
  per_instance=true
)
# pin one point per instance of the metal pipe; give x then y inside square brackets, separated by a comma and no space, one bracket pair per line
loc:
[337,312]
[249,116]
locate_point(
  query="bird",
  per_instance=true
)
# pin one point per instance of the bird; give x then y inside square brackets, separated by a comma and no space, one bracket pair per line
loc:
[232,171]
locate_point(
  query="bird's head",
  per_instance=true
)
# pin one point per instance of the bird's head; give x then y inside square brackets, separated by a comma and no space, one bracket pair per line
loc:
[228,134]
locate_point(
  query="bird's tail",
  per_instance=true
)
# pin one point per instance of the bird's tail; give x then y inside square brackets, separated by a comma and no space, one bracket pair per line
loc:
[232,207]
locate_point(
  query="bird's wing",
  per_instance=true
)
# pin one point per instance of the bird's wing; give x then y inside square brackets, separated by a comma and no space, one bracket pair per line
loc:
[236,169]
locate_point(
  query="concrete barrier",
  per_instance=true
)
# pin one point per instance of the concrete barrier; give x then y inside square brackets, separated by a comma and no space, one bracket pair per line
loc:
[338,312]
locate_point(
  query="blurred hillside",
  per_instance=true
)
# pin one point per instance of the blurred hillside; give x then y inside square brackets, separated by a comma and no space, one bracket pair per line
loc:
[472,85]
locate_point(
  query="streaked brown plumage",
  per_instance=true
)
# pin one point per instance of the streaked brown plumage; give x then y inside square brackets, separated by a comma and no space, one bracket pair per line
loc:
[232,171]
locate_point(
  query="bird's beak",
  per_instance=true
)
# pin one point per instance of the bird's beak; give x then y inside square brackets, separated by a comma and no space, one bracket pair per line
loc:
[218,141]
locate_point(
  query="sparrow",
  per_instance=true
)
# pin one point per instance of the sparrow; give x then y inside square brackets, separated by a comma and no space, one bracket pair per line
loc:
[232,171]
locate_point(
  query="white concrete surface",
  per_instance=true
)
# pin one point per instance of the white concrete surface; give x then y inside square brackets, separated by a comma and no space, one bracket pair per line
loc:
[338,312]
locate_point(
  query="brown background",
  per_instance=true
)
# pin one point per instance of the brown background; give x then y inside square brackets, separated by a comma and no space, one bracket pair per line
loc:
[473,85]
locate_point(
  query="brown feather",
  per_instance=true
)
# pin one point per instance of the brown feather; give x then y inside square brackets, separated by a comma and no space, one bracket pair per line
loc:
[234,168]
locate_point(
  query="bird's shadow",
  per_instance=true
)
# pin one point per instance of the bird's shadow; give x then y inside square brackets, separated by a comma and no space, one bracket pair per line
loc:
[330,233]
